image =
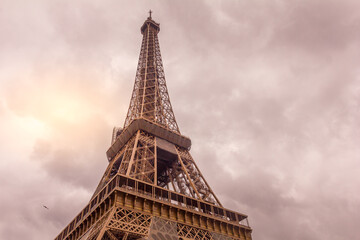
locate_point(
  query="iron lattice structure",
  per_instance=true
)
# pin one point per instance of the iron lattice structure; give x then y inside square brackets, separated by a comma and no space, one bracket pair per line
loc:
[150,98]
[152,187]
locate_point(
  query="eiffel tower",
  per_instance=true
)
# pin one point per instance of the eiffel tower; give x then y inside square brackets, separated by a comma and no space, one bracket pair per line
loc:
[152,187]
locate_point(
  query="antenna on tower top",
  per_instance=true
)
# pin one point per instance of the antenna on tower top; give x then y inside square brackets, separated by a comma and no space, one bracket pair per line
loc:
[150,14]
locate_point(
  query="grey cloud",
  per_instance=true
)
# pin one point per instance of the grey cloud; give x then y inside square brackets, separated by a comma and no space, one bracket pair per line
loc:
[312,29]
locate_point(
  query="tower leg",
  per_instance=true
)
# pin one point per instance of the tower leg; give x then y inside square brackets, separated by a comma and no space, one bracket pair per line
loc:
[104,224]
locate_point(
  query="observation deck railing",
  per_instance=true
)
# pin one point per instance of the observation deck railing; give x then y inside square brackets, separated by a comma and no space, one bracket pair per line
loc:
[137,187]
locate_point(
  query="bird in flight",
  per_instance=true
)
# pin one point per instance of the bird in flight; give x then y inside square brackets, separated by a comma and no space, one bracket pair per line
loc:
[45,207]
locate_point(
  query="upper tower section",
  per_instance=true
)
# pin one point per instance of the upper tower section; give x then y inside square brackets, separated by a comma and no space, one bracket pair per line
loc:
[150,23]
[150,99]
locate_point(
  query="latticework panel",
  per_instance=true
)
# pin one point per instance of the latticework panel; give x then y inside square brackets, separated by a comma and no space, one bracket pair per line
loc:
[126,157]
[193,233]
[131,222]
[143,163]
[138,158]
[162,229]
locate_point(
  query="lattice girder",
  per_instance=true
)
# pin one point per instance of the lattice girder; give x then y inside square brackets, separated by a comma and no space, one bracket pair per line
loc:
[194,177]
[130,221]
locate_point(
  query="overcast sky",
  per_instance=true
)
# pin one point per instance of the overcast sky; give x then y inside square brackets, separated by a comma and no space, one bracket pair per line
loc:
[268,91]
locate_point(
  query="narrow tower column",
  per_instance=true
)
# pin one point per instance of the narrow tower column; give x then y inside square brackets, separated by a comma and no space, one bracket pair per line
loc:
[150,99]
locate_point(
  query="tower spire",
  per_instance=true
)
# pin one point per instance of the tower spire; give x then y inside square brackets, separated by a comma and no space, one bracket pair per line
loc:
[150,99]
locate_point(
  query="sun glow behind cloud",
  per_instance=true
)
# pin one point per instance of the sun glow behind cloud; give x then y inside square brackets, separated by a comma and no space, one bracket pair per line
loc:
[29,126]
[68,109]
[41,111]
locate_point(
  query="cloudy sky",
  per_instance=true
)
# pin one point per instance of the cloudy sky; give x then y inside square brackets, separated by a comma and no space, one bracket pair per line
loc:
[268,91]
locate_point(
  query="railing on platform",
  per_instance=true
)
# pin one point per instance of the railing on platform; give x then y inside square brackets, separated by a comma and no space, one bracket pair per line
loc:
[157,193]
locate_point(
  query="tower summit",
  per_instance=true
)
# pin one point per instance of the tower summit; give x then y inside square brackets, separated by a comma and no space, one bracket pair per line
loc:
[152,188]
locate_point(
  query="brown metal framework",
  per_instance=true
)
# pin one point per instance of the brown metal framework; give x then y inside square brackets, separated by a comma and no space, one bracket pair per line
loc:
[150,98]
[152,188]
[126,207]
